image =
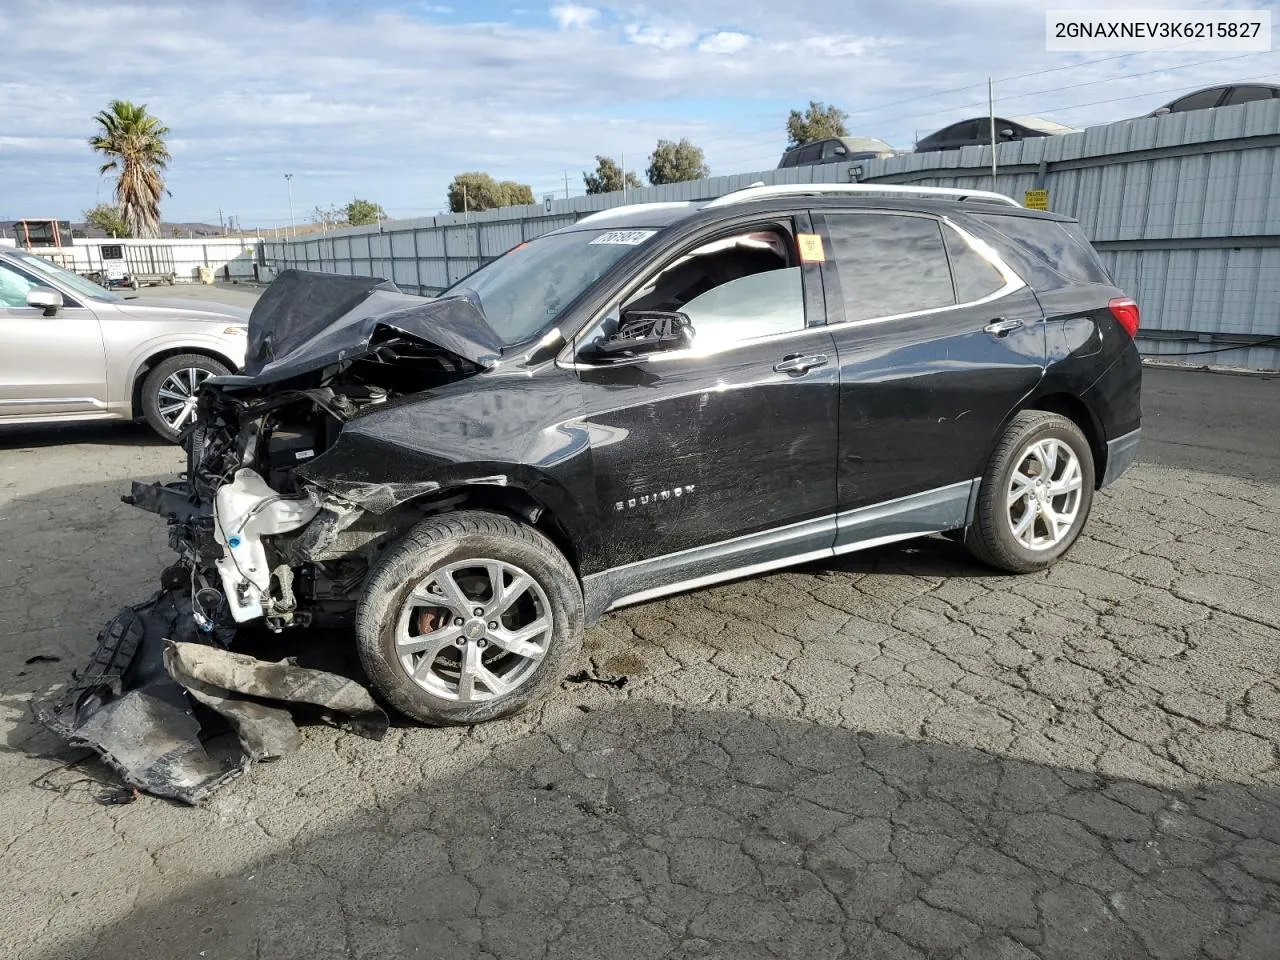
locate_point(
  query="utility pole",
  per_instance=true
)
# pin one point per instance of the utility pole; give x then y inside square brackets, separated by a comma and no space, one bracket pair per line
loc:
[991,113]
[566,184]
[221,223]
[293,224]
[624,179]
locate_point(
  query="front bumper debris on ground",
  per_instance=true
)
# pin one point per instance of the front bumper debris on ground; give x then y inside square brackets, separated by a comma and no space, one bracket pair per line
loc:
[177,714]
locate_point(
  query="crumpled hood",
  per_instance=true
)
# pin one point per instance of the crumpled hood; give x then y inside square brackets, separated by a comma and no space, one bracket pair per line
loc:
[305,321]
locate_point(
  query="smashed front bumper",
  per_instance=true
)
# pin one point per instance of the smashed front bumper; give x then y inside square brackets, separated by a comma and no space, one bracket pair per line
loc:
[163,699]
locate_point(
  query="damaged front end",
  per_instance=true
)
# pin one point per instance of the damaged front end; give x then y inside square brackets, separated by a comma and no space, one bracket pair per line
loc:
[266,538]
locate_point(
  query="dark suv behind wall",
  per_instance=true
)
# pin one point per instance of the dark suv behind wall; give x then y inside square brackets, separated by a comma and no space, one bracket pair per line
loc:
[658,398]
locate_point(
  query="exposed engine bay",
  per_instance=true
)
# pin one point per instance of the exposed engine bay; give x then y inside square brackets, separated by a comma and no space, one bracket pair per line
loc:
[264,536]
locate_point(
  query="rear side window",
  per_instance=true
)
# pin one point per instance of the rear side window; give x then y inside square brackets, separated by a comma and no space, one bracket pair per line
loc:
[974,277]
[1062,247]
[889,264]
[1248,95]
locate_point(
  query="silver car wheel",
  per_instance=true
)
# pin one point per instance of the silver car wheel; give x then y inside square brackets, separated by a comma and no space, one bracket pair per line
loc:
[1044,494]
[177,396]
[473,630]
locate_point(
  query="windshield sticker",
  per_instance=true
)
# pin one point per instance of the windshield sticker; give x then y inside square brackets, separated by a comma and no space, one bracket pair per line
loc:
[626,238]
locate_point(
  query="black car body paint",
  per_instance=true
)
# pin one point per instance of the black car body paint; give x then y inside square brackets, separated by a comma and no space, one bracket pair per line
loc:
[848,416]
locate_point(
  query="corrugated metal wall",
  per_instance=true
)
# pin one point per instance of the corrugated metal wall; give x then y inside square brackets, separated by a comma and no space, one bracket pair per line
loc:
[1184,209]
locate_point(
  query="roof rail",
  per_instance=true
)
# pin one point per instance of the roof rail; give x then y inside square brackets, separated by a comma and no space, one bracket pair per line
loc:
[822,189]
[632,207]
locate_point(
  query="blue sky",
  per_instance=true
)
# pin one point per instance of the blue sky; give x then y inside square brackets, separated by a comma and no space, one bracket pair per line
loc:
[387,100]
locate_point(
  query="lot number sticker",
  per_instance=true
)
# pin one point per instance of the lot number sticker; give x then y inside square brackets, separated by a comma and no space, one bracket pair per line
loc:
[626,238]
[811,248]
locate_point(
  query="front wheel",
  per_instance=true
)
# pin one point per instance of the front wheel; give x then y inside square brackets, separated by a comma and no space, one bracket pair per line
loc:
[1035,494]
[469,617]
[170,390]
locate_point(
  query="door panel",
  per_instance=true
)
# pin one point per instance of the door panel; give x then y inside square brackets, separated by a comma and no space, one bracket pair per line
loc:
[702,454]
[48,365]
[921,397]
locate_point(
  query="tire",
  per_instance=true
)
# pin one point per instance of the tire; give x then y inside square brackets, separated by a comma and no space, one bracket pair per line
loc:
[191,368]
[443,546]
[993,537]
[133,284]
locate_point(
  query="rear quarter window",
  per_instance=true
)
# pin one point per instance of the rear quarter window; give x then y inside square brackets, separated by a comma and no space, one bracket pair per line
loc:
[1061,248]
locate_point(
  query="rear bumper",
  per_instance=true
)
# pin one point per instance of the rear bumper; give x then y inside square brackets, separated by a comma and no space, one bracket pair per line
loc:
[1121,452]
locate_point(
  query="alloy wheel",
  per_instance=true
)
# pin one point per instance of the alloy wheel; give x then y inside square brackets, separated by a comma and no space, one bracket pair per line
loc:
[473,630]
[1044,494]
[177,396]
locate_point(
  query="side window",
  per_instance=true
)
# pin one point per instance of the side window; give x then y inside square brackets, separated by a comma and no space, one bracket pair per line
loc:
[889,264]
[809,154]
[974,277]
[760,305]
[13,287]
[1197,101]
[737,288]
[1061,247]
[1248,94]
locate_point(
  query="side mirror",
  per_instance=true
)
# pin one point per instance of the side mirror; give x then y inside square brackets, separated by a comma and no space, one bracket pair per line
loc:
[640,333]
[44,298]
[1162,112]
[1006,133]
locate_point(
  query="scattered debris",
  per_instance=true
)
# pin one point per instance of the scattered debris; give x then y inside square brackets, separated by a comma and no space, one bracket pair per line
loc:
[42,658]
[157,693]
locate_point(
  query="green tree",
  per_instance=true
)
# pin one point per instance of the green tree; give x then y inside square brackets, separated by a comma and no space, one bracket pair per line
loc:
[673,162]
[479,191]
[360,213]
[133,142]
[608,177]
[818,122]
[107,218]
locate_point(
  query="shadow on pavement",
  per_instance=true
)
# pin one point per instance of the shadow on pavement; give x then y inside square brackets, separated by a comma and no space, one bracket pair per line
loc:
[114,433]
[640,831]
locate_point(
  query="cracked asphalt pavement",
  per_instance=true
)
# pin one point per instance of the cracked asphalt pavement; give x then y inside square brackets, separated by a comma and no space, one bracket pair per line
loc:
[897,754]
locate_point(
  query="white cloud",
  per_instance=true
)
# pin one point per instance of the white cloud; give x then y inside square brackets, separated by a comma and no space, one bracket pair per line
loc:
[664,37]
[725,41]
[391,104]
[570,15]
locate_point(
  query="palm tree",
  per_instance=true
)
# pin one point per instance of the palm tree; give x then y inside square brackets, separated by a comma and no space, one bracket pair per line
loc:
[134,142]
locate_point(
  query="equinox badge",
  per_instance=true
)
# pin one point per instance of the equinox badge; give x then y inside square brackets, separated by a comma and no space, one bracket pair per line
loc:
[652,498]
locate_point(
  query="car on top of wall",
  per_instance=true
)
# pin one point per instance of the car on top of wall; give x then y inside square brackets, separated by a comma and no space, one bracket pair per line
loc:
[655,399]
[1223,96]
[72,350]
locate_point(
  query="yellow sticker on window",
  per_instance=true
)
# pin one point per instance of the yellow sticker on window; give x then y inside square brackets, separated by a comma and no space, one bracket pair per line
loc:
[811,248]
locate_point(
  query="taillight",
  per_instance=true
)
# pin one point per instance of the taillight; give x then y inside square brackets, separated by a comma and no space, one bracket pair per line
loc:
[1125,310]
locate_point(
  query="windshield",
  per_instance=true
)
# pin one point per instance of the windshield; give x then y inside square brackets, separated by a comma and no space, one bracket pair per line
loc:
[72,281]
[523,291]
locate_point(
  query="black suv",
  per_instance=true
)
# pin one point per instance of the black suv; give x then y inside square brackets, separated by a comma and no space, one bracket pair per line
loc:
[657,398]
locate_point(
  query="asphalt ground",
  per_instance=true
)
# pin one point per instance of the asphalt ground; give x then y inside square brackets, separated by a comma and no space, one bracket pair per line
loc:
[896,754]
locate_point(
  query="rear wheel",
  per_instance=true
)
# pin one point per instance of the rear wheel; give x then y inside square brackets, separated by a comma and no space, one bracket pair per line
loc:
[469,617]
[1035,495]
[170,390]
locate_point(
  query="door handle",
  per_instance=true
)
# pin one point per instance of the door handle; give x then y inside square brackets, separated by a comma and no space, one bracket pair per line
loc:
[800,364]
[1002,327]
